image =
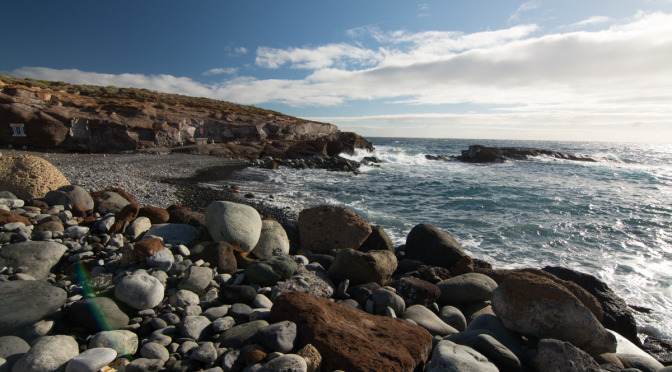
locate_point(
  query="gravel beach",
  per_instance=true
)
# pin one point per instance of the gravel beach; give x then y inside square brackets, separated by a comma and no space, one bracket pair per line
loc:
[159,180]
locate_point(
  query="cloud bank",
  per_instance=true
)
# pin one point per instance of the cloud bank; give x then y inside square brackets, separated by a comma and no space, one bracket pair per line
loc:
[618,74]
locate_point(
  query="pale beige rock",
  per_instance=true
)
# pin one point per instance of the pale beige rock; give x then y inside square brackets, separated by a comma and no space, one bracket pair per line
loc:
[29,177]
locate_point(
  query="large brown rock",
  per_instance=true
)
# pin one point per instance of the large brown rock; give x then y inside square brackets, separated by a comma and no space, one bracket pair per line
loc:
[362,267]
[586,298]
[218,254]
[328,227]
[147,247]
[352,340]
[432,246]
[535,306]
[7,217]
[29,177]
[155,214]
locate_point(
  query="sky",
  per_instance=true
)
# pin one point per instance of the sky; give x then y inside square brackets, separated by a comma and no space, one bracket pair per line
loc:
[596,70]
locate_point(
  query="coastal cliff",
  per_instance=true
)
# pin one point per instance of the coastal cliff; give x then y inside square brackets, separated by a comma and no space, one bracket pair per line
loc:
[84,118]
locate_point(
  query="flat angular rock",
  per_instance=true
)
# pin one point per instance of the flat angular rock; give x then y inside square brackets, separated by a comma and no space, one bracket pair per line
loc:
[49,353]
[37,258]
[273,240]
[278,337]
[175,233]
[449,356]
[466,288]
[433,246]
[425,318]
[535,306]
[328,227]
[140,291]
[241,335]
[345,337]
[555,355]
[362,267]
[194,326]
[233,222]
[311,279]
[26,302]
[109,202]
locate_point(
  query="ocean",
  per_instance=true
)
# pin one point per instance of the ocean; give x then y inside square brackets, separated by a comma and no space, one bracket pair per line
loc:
[611,218]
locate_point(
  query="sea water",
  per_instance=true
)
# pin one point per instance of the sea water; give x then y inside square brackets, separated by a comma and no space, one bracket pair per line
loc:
[611,218]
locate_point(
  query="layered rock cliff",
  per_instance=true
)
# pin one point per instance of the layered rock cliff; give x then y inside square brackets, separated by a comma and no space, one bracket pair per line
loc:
[57,115]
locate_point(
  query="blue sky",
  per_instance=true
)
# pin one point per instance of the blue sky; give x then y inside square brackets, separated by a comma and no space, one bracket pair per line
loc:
[565,70]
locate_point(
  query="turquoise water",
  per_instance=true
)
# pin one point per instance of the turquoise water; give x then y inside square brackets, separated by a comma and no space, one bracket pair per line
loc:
[612,219]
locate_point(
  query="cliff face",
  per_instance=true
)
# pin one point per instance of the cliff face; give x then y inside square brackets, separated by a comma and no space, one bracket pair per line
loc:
[56,115]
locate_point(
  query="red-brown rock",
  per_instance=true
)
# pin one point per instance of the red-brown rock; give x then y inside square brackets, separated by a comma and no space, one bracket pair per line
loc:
[126,214]
[7,217]
[218,254]
[254,356]
[351,339]
[463,266]
[418,291]
[156,215]
[187,217]
[147,247]
[328,227]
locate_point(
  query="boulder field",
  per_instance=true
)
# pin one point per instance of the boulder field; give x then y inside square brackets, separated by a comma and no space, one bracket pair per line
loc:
[91,282]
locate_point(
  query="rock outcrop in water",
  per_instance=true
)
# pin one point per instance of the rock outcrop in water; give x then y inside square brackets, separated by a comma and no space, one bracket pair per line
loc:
[57,115]
[485,154]
[488,154]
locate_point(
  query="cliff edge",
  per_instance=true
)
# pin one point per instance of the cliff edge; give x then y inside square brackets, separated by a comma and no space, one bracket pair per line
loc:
[85,118]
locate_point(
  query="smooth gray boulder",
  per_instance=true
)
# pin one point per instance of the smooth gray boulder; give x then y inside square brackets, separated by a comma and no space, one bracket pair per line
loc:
[36,258]
[25,302]
[69,195]
[49,353]
[233,222]
[273,240]
[91,360]
[139,291]
[289,362]
[466,288]
[449,356]
[425,318]
[122,341]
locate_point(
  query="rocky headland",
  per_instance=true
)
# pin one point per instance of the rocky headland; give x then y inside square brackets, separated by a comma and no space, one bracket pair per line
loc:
[60,116]
[102,271]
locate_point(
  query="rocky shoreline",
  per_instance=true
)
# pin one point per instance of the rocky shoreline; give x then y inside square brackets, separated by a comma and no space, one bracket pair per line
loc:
[139,269]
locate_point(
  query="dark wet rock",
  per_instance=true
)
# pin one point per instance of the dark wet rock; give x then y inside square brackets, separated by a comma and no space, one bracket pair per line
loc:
[555,355]
[378,240]
[97,314]
[433,246]
[485,154]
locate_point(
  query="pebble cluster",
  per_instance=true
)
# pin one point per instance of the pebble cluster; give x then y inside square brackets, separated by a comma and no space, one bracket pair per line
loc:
[94,278]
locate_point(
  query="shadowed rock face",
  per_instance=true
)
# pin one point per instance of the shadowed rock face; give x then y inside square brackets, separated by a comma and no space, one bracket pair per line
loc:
[109,119]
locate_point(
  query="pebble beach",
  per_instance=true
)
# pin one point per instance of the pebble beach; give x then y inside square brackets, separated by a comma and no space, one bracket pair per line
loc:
[186,278]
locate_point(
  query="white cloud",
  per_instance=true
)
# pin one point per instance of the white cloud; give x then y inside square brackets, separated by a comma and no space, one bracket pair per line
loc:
[590,21]
[524,7]
[221,71]
[320,57]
